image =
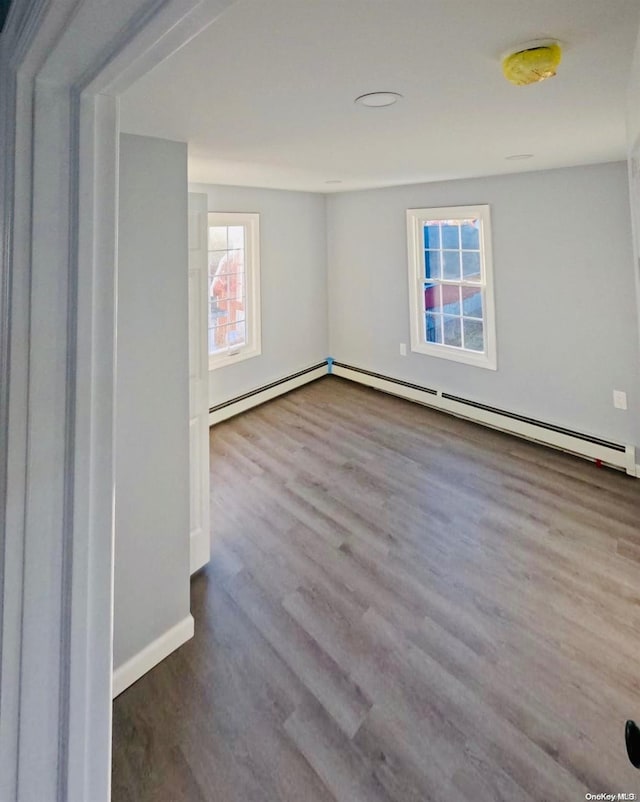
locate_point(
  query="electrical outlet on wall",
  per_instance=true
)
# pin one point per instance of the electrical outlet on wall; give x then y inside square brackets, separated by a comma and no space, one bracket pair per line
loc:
[403,349]
[619,399]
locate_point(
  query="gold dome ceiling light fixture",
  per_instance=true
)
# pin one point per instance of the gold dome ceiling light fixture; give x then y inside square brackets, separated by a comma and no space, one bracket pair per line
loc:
[532,62]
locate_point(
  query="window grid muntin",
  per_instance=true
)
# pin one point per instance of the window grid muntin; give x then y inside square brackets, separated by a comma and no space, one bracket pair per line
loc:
[416,219]
[229,298]
[447,227]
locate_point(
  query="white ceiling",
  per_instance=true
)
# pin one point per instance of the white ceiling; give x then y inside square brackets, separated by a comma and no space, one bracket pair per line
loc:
[264,96]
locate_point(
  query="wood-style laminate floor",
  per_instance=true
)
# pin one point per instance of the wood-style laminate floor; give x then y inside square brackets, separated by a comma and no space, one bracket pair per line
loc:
[400,606]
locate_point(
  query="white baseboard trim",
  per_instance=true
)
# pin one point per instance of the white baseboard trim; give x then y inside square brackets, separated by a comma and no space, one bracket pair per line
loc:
[256,397]
[615,455]
[151,655]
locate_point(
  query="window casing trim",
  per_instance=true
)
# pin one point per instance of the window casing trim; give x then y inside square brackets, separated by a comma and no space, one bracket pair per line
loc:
[415,221]
[253,346]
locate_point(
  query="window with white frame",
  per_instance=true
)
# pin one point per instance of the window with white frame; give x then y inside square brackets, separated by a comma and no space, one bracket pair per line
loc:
[234,287]
[451,284]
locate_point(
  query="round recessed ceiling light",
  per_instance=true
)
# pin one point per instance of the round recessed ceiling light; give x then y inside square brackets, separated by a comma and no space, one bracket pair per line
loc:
[517,157]
[377,100]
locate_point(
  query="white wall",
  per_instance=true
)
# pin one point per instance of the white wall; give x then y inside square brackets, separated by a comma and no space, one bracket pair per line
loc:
[293,285]
[633,147]
[633,98]
[566,313]
[152,456]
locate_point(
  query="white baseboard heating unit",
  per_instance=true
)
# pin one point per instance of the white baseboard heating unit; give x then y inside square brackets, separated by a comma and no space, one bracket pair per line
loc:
[615,455]
[227,409]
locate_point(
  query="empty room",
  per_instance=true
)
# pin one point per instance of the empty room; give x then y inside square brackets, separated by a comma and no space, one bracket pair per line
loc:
[361,480]
[400,603]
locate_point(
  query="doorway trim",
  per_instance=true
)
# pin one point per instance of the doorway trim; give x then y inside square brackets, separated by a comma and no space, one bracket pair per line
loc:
[63,64]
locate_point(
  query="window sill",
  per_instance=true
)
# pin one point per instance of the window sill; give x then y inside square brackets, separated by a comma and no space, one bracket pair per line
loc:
[223,360]
[479,360]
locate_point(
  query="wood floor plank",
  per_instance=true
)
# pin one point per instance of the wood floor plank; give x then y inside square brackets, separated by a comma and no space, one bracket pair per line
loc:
[344,771]
[446,699]
[320,674]
[401,606]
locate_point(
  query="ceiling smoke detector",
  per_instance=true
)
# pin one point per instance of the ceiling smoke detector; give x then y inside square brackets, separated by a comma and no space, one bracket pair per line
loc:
[532,62]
